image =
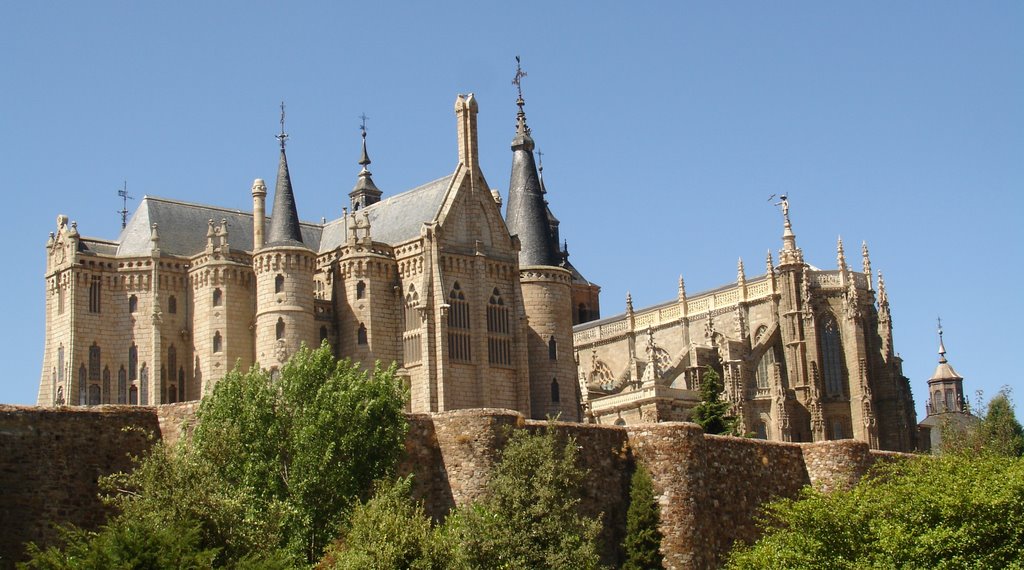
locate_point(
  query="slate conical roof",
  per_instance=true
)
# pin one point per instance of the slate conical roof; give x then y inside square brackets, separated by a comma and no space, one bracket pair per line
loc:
[527,214]
[284,219]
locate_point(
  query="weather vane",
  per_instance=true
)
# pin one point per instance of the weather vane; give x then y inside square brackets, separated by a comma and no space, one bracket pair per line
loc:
[518,81]
[123,193]
[283,136]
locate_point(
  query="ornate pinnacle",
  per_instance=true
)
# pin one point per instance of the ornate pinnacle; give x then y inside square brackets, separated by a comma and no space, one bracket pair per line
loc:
[741,276]
[840,255]
[866,261]
[629,302]
[769,266]
[682,289]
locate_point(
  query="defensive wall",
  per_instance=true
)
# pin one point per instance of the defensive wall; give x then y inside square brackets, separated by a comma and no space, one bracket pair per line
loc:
[710,487]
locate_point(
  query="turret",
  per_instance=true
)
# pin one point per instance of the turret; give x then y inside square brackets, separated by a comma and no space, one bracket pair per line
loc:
[547,287]
[284,270]
[945,387]
[365,191]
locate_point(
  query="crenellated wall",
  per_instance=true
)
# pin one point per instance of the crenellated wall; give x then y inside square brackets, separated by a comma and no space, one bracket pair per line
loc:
[710,487]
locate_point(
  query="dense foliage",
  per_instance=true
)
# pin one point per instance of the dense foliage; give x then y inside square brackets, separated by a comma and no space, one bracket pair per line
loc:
[390,531]
[997,430]
[271,470]
[961,509]
[712,412]
[529,518]
[643,539]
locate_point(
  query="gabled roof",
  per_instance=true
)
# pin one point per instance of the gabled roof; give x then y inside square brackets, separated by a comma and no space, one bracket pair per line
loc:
[396,219]
[182,228]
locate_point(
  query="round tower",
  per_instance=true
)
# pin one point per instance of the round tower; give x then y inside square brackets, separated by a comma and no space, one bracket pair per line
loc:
[547,288]
[284,269]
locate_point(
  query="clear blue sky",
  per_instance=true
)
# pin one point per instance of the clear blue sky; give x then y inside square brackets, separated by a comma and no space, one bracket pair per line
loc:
[665,127]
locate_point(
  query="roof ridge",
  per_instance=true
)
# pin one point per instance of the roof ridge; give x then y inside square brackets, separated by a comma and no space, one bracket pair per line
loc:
[217,208]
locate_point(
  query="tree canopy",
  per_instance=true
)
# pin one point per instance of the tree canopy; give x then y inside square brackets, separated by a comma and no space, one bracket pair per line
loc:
[712,412]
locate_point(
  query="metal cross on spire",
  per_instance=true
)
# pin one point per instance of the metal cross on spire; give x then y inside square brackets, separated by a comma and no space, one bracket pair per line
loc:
[518,82]
[283,136]
[123,193]
[540,160]
[362,123]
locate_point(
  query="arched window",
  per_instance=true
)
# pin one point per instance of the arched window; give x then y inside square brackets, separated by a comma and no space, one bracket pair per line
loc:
[762,430]
[323,334]
[94,394]
[172,305]
[144,385]
[361,334]
[133,304]
[499,342]
[838,426]
[172,394]
[94,293]
[458,325]
[218,342]
[950,404]
[832,357]
[181,383]
[555,395]
[82,386]
[94,363]
[122,386]
[411,349]
[133,395]
[360,290]
[552,349]
[279,283]
[620,422]
[279,329]
[172,360]
[106,385]
[218,297]
[766,368]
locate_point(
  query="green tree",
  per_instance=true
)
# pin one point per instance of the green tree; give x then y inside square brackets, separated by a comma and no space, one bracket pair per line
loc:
[996,430]
[712,413]
[124,543]
[273,467]
[391,530]
[951,511]
[643,538]
[530,516]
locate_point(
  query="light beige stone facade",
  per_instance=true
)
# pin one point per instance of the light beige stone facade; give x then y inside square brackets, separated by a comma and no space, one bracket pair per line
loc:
[428,279]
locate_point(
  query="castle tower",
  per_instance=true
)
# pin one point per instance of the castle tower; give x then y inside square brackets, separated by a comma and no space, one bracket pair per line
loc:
[547,291]
[368,300]
[284,269]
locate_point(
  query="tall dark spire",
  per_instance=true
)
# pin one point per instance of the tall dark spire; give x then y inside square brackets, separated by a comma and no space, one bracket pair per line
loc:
[527,214]
[365,191]
[284,220]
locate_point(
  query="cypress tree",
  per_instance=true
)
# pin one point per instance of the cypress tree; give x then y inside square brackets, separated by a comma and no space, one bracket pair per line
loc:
[643,539]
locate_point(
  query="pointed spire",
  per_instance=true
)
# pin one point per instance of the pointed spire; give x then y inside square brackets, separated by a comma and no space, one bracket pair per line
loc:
[883,297]
[365,192]
[840,255]
[528,215]
[769,265]
[682,288]
[629,303]
[284,219]
[741,274]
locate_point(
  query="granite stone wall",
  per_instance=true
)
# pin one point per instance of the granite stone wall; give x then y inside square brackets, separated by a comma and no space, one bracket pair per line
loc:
[710,488]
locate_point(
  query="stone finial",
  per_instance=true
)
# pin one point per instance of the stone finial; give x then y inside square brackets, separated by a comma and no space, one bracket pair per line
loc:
[496,196]
[769,265]
[741,275]
[883,297]
[73,232]
[840,255]
[259,187]
[465,111]
[866,261]
[629,303]
[50,240]
[682,289]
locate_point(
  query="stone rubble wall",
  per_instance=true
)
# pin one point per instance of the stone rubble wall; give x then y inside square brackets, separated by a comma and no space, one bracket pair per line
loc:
[710,488]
